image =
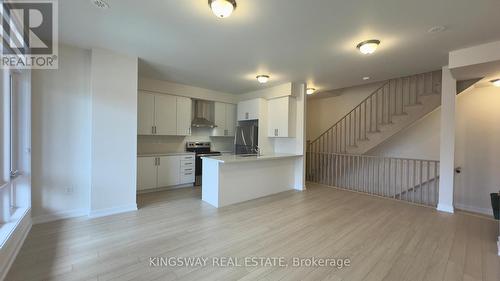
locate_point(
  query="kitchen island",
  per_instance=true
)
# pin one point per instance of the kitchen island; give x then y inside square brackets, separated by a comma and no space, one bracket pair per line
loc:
[230,179]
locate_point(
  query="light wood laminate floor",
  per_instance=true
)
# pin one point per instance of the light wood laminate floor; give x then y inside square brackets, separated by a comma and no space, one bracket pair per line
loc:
[384,239]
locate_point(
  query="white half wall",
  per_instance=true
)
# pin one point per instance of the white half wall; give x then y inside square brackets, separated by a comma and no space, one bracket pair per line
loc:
[114,132]
[61,127]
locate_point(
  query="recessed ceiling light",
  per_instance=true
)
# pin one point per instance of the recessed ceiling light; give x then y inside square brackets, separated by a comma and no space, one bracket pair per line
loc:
[310,91]
[368,47]
[262,78]
[496,82]
[222,8]
[436,29]
[100,4]
[366,78]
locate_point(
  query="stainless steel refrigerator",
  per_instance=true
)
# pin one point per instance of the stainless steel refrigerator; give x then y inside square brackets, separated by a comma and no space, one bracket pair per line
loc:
[246,140]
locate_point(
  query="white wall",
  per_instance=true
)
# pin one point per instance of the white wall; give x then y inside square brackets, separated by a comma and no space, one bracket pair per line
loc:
[61,136]
[419,141]
[476,147]
[114,132]
[325,110]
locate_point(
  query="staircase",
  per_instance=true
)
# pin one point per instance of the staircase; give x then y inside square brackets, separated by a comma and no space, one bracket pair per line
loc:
[337,157]
[393,106]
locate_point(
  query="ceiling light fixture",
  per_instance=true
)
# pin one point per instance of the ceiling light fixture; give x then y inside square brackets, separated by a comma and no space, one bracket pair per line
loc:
[366,78]
[310,91]
[436,29]
[368,47]
[222,8]
[495,82]
[100,4]
[262,78]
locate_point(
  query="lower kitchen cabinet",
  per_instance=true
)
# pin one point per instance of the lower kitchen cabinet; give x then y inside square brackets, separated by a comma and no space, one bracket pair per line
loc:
[163,171]
[147,172]
[168,171]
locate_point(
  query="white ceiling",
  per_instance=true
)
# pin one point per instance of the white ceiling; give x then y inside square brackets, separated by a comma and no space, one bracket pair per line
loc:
[292,40]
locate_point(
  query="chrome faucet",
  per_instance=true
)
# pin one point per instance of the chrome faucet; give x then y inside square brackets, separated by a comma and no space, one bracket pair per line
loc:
[257,150]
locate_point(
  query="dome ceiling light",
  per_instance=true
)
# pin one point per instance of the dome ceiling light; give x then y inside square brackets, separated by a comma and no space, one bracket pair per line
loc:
[222,8]
[495,82]
[262,78]
[310,91]
[368,47]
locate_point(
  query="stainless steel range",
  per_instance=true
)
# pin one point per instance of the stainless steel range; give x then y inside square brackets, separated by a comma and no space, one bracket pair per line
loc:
[200,149]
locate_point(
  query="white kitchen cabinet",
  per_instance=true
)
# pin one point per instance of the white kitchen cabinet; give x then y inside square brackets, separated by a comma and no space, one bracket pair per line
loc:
[164,171]
[250,109]
[184,107]
[230,119]
[146,173]
[224,119]
[168,171]
[146,113]
[281,117]
[165,115]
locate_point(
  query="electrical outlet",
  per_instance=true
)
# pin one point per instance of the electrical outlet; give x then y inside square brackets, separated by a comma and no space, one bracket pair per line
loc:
[69,189]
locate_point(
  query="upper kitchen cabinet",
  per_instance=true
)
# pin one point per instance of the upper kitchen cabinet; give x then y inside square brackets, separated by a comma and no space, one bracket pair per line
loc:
[163,115]
[225,119]
[146,114]
[166,115]
[251,109]
[184,107]
[281,117]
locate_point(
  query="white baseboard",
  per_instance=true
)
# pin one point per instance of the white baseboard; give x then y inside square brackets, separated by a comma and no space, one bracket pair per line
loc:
[9,251]
[113,211]
[60,215]
[445,208]
[479,210]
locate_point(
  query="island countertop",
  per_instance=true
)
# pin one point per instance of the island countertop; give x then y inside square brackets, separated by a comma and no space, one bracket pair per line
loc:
[239,158]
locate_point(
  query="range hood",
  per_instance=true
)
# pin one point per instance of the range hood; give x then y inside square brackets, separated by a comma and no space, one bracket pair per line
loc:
[203,112]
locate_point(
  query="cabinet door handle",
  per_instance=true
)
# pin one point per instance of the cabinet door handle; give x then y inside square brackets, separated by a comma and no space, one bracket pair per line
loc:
[275,132]
[246,115]
[159,163]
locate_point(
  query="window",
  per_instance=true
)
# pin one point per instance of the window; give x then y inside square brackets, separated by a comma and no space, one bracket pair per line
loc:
[15,185]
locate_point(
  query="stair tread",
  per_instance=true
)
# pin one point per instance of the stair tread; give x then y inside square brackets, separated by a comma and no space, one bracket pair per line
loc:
[414,105]
[400,114]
